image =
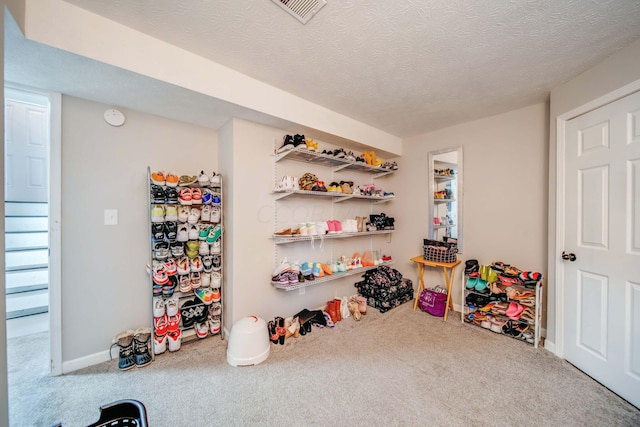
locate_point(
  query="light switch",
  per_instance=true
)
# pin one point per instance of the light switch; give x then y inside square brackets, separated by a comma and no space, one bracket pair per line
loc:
[110,217]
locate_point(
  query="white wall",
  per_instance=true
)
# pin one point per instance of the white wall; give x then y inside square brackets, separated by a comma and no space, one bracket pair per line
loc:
[505,192]
[620,69]
[105,288]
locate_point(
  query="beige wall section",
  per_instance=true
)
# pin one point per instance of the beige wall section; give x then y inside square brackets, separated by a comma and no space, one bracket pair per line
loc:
[253,255]
[620,69]
[505,192]
[105,288]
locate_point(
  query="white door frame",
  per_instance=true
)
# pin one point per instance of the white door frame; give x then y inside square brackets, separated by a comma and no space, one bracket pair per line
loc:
[561,121]
[55,217]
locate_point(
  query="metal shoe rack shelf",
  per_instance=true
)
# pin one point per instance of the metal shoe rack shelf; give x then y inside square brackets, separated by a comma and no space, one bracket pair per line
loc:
[535,324]
[331,165]
[188,334]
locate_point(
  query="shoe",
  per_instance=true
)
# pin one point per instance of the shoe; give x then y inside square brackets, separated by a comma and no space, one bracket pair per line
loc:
[202,329]
[195,280]
[217,262]
[362,304]
[170,267]
[287,144]
[215,247]
[186,180]
[161,324]
[203,179]
[206,196]
[216,279]
[157,232]
[185,283]
[157,213]
[172,195]
[159,274]
[171,305]
[206,279]
[158,306]
[194,234]
[216,295]
[196,264]
[174,340]
[194,216]
[171,213]
[280,329]
[203,249]
[158,178]
[215,180]
[171,231]
[205,213]
[183,213]
[172,180]
[215,214]
[207,263]
[184,196]
[141,341]
[159,344]
[196,196]
[126,357]
[214,234]
[158,194]
[214,326]
[203,233]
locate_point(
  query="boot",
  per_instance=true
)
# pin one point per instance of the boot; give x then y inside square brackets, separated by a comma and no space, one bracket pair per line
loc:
[331,311]
[124,340]
[141,340]
[338,305]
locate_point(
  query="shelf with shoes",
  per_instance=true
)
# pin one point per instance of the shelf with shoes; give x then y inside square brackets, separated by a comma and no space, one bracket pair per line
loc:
[337,197]
[340,199]
[289,238]
[327,278]
[186,225]
[305,155]
[503,299]
[445,203]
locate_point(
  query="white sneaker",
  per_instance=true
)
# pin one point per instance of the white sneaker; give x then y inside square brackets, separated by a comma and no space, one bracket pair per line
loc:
[194,216]
[175,340]
[202,329]
[203,179]
[194,231]
[183,213]
[215,179]
[215,214]
[172,306]
[183,233]
[205,214]
[216,279]
[159,344]
[215,247]
[204,248]
[206,279]
[158,307]
[303,229]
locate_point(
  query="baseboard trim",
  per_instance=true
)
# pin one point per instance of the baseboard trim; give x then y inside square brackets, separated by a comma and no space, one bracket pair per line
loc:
[85,361]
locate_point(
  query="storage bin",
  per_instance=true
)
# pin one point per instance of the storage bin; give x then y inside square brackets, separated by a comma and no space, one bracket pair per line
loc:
[248,342]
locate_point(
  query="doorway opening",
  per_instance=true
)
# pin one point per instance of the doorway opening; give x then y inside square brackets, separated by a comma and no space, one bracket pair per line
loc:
[32,218]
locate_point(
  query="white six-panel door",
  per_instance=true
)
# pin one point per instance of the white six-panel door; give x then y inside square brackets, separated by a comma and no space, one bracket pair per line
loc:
[26,148]
[602,228]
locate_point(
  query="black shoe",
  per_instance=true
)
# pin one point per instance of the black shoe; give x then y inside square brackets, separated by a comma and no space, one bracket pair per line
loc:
[172,195]
[287,144]
[157,194]
[141,341]
[126,359]
[157,232]
[307,327]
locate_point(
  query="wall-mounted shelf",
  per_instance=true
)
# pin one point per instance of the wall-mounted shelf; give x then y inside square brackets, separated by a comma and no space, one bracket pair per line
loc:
[337,197]
[329,278]
[279,240]
[436,227]
[443,200]
[338,163]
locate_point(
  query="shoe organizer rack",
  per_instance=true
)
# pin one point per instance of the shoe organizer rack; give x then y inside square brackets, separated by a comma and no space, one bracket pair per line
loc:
[328,167]
[196,289]
[506,306]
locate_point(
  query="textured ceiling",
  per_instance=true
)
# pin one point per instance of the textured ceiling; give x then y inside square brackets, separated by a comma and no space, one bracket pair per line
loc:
[404,66]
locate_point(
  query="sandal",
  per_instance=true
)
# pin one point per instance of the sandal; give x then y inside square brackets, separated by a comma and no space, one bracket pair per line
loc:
[514,311]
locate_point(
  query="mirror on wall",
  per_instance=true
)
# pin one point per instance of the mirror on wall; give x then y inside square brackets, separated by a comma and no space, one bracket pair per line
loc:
[445,194]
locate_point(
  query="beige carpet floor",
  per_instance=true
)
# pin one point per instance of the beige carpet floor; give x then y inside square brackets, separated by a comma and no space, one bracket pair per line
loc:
[401,368]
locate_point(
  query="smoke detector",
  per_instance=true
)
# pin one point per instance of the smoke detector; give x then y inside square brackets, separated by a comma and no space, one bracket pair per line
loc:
[302,10]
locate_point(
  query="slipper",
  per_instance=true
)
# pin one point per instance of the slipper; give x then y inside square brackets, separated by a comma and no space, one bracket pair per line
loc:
[512,271]
[471,282]
[514,311]
[499,266]
[508,281]
[481,285]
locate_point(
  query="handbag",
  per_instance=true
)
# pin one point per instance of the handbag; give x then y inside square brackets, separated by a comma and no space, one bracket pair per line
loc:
[433,302]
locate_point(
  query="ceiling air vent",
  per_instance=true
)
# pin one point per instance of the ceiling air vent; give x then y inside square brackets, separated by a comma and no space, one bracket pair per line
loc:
[302,10]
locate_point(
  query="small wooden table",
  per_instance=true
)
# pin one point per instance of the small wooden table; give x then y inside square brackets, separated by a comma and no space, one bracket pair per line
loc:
[448,269]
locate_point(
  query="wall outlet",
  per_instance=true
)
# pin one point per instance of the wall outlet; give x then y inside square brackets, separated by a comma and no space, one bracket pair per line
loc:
[110,217]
